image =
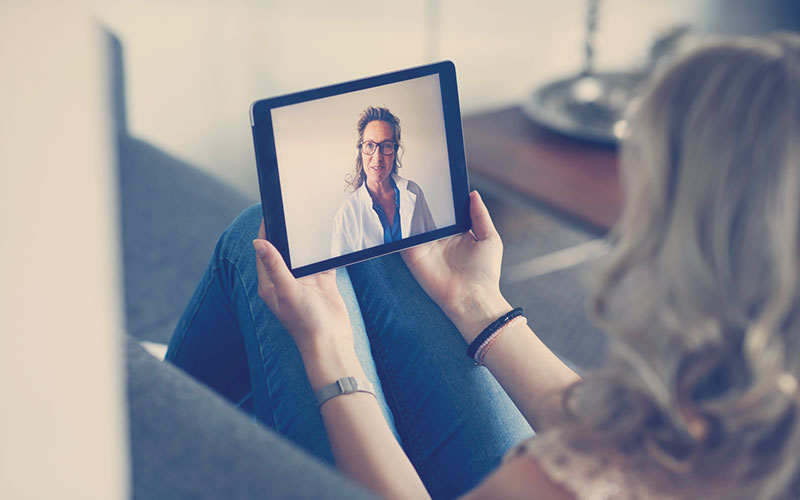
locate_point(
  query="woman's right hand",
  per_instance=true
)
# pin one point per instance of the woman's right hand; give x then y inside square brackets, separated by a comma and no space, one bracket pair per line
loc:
[462,273]
[311,308]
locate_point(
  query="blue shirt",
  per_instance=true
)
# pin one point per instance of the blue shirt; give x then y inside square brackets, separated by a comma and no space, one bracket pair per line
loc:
[392,233]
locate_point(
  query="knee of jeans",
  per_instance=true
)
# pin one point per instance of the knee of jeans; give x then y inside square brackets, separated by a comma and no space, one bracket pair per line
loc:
[235,242]
[388,268]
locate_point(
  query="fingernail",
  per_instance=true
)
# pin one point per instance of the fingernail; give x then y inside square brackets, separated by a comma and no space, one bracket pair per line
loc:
[261,249]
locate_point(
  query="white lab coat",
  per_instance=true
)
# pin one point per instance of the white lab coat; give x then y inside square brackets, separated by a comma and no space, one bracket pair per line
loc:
[356,226]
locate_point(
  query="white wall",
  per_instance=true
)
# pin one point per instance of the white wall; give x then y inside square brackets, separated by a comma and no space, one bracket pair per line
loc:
[63,431]
[194,67]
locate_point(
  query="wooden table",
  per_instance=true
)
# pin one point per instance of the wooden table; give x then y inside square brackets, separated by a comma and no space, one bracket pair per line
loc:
[577,178]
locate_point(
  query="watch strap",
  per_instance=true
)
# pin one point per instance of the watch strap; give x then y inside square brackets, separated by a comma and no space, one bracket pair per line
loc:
[346,385]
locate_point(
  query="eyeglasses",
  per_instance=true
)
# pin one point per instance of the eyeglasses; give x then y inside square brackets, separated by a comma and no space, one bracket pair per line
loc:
[386,147]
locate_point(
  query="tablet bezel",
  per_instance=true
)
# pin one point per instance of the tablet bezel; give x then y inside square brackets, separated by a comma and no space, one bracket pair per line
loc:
[269,178]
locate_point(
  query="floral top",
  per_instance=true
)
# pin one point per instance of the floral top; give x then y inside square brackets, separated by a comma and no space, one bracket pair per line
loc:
[586,476]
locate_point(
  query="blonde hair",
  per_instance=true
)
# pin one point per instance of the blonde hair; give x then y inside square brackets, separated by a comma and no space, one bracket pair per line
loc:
[701,293]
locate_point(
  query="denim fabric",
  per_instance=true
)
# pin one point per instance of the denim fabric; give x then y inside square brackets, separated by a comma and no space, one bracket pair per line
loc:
[452,418]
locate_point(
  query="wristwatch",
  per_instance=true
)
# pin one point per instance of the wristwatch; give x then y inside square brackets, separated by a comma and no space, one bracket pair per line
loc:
[346,385]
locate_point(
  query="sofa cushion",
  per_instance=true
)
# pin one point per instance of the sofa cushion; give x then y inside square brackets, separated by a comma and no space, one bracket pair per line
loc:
[171,215]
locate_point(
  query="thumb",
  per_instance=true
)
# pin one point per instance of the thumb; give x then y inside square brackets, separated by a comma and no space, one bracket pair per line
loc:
[482,225]
[271,267]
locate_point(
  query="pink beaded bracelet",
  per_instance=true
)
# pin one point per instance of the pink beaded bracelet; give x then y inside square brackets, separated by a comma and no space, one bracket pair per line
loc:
[487,344]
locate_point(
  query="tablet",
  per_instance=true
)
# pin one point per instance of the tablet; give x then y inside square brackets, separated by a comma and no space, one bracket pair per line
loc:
[360,169]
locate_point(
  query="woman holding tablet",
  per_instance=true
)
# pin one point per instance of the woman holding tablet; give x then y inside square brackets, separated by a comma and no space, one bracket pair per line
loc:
[699,397]
[383,206]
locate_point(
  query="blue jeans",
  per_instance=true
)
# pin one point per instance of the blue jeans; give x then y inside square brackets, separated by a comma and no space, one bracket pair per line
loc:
[452,418]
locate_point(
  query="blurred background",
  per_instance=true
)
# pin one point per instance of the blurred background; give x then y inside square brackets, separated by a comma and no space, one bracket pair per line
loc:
[192,68]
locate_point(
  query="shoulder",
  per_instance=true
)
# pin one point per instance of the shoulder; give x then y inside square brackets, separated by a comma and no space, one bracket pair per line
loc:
[549,464]
[351,203]
[414,188]
[521,476]
[407,184]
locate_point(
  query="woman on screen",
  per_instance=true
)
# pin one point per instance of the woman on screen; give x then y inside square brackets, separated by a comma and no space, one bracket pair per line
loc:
[383,207]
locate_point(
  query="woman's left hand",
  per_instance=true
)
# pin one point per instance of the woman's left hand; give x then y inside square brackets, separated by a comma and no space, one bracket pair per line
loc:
[462,273]
[310,308]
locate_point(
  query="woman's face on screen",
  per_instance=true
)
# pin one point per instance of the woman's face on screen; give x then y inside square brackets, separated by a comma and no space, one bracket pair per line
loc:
[377,166]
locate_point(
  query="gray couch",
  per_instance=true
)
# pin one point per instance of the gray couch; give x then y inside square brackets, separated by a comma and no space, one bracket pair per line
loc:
[185,440]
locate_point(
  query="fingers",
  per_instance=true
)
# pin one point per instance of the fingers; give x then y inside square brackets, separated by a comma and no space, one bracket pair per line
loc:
[325,280]
[270,266]
[263,276]
[482,225]
[262,232]
[411,254]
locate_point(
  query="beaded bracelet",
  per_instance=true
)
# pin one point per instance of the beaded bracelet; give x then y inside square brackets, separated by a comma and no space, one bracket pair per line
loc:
[491,329]
[484,348]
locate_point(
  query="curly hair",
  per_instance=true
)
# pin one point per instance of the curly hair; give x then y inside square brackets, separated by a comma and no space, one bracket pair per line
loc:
[355,179]
[701,292]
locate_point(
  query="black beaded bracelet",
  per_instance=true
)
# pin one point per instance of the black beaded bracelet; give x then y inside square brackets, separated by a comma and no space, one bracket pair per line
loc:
[489,330]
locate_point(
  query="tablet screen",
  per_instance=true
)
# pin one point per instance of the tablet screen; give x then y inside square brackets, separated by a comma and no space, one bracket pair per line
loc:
[359,172]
